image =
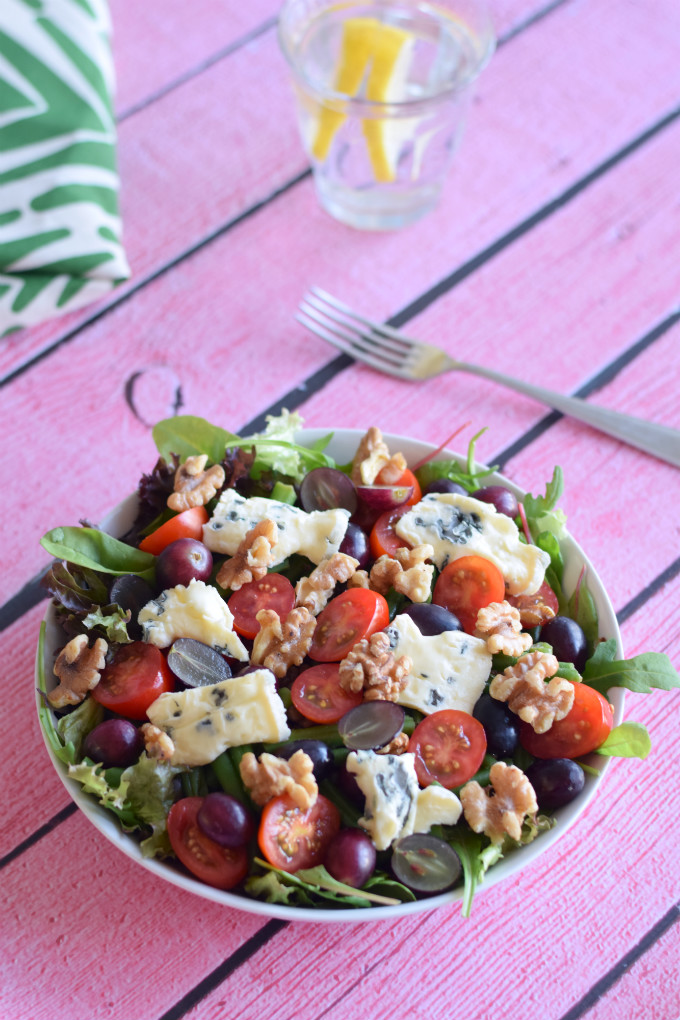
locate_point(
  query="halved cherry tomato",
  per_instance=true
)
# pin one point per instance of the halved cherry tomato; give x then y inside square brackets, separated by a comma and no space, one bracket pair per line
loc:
[317,694]
[587,725]
[407,479]
[220,866]
[355,614]
[187,524]
[529,605]
[291,839]
[274,591]
[383,538]
[135,678]
[449,747]
[467,585]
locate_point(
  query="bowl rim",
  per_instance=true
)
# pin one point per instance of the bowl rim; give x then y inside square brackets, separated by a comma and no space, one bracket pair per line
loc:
[344,442]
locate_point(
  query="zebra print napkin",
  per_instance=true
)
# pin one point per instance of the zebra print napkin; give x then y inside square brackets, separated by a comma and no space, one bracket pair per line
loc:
[60,229]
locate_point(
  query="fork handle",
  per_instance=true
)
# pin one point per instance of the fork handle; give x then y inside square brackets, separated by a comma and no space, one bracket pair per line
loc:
[659,440]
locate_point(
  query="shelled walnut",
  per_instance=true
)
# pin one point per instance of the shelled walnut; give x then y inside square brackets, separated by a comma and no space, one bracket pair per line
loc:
[314,591]
[500,809]
[157,743]
[500,624]
[271,776]
[78,668]
[407,572]
[373,458]
[280,644]
[194,486]
[524,689]
[372,668]
[253,557]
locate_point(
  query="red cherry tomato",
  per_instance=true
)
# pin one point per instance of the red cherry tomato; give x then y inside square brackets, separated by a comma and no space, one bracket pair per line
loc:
[355,614]
[317,694]
[407,479]
[449,747]
[274,591]
[545,596]
[383,539]
[188,524]
[290,838]
[587,725]
[467,585]
[135,678]
[220,866]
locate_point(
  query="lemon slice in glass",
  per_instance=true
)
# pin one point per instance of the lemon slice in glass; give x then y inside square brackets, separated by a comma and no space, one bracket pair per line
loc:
[381,56]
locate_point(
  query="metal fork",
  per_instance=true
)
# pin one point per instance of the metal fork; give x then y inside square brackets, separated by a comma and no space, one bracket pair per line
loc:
[390,351]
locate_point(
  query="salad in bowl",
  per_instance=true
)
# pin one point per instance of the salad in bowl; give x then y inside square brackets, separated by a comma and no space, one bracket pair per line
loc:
[331,675]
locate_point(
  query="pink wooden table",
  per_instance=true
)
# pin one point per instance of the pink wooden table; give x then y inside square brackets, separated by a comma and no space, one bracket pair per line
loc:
[554,255]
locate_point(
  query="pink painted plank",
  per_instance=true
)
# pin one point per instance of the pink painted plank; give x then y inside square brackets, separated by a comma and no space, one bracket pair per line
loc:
[187,169]
[653,980]
[94,935]
[145,334]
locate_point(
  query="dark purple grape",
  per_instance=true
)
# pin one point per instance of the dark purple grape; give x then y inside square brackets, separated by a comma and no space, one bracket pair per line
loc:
[320,753]
[556,781]
[348,785]
[350,858]
[370,725]
[425,863]
[431,619]
[225,820]
[567,640]
[183,561]
[132,592]
[504,501]
[196,664]
[325,488]
[116,743]
[501,726]
[445,485]
[355,543]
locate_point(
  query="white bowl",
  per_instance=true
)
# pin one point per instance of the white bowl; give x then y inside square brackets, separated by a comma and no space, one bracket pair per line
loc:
[342,448]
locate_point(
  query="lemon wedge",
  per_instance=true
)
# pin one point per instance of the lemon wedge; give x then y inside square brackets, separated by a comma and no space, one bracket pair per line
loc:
[381,56]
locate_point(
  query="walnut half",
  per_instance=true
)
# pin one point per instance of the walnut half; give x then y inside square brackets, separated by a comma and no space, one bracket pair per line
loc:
[194,486]
[499,809]
[524,689]
[78,667]
[280,644]
[372,668]
[271,776]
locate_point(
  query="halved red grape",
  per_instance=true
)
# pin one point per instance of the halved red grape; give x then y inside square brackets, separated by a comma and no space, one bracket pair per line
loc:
[384,497]
[183,561]
[425,863]
[197,664]
[370,725]
[326,488]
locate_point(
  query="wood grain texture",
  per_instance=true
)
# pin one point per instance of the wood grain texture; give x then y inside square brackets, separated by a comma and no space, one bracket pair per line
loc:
[188,168]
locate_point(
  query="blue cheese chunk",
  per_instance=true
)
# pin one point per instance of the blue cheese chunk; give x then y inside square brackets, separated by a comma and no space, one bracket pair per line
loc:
[203,721]
[390,785]
[448,670]
[436,806]
[197,611]
[314,535]
[457,525]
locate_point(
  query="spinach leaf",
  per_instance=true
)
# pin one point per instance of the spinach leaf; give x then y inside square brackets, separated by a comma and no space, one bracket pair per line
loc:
[581,607]
[641,674]
[94,549]
[629,740]
[188,436]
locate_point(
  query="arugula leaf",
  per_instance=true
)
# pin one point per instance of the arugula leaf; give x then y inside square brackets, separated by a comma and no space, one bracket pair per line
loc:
[629,740]
[469,476]
[641,674]
[318,882]
[477,855]
[188,436]
[94,549]
[581,607]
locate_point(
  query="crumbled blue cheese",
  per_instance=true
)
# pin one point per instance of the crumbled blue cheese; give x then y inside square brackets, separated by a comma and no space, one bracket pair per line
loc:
[448,670]
[197,611]
[390,785]
[457,525]
[203,721]
[315,535]
[436,806]
[395,804]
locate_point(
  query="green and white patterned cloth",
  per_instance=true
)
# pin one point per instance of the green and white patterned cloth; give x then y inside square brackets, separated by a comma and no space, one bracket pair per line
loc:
[60,228]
